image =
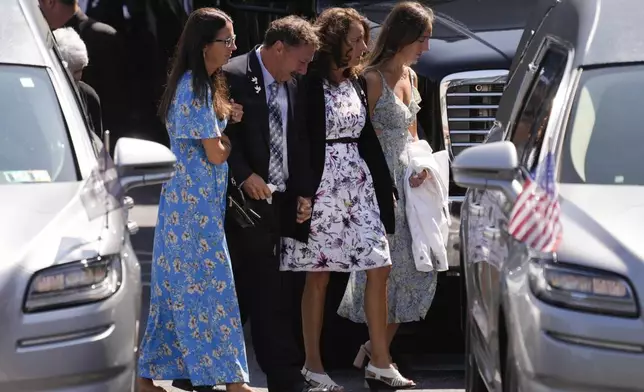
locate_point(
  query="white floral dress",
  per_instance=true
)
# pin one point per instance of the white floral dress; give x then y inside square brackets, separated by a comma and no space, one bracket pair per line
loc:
[346,231]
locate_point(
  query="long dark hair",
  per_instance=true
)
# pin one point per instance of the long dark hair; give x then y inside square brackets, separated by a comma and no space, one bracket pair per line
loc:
[200,30]
[333,27]
[406,23]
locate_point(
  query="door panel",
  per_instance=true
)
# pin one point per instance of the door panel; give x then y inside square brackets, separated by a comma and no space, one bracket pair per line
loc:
[477,212]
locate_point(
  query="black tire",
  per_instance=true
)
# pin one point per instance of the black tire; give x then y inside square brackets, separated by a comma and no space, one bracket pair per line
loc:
[473,380]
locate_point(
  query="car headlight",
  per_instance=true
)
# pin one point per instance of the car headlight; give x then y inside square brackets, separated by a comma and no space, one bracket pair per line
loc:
[582,289]
[74,284]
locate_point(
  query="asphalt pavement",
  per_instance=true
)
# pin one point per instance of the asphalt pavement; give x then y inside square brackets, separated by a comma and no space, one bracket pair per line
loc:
[432,372]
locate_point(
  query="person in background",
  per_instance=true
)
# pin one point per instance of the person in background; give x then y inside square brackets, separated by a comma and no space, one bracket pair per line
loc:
[266,151]
[74,53]
[352,195]
[106,69]
[393,104]
[194,332]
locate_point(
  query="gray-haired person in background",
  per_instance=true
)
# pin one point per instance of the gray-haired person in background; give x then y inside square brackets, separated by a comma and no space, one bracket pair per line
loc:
[74,53]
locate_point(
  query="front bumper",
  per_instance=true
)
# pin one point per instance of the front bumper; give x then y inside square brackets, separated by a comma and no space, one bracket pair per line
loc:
[557,349]
[88,348]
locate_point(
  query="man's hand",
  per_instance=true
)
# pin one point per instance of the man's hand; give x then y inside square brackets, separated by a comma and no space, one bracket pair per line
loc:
[256,188]
[304,209]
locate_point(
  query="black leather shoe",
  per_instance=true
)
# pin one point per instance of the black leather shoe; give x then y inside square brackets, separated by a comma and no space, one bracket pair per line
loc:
[314,389]
[183,384]
[298,387]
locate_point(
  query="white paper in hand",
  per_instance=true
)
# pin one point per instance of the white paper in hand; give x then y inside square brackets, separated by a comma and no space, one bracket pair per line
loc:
[272,188]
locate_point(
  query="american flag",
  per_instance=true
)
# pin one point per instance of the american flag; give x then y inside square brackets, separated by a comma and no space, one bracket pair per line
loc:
[535,217]
[102,191]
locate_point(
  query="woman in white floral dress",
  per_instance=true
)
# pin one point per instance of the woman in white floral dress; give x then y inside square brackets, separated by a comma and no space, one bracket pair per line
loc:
[393,101]
[352,196]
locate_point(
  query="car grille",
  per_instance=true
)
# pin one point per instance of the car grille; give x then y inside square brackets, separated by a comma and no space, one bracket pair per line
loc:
[469,101]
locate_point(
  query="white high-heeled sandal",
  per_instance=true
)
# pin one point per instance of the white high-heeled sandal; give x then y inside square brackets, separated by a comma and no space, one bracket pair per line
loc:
[361,358]
[388,379]
[321,380]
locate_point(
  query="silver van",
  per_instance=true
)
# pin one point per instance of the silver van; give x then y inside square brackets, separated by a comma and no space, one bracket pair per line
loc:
[70,286]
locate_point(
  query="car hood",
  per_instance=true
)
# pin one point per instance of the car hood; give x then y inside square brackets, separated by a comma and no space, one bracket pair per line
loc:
[486,43]
[45,224]
[602,227]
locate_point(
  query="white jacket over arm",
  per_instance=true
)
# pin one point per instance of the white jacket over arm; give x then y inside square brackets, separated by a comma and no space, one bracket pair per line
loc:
[427,207]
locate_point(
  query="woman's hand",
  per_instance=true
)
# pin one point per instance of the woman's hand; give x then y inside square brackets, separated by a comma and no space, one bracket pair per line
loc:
[236,112]
[304,209]
[416,180]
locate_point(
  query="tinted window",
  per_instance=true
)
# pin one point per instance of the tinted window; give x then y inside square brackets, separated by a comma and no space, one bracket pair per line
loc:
[34,143]
[533,119]
[604,134]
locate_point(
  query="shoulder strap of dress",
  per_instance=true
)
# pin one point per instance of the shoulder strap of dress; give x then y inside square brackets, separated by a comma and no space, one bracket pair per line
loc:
[412,76]
[385,85]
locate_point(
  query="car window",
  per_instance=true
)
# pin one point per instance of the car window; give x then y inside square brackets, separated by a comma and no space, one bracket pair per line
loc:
[603,137]
[530,127]
[34,141]
[59,63]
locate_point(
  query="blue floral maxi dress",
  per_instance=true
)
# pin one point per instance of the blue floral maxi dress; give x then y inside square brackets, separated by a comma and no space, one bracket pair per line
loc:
[409,292]
[346,232]
[194,329]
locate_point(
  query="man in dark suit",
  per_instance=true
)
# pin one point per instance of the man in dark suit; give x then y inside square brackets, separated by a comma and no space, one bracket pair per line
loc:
[106,69]
[265,152]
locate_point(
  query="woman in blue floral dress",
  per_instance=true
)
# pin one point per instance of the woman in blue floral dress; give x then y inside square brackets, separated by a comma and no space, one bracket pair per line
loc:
[194,333]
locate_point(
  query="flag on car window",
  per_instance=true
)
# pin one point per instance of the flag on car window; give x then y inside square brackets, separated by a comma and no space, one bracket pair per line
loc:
[535,217]
[102,191]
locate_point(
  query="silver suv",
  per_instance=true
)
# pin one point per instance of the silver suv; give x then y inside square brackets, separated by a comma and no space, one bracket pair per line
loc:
[569,320]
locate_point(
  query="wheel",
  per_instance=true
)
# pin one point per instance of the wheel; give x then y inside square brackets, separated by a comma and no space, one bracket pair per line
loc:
[473,380]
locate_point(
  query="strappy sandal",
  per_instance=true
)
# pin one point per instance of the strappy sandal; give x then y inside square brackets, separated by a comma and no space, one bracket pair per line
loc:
[320,380]
[386,379]
[364,356]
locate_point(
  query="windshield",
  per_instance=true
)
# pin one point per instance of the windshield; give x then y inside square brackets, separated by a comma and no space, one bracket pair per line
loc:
[603,138]
[34,143]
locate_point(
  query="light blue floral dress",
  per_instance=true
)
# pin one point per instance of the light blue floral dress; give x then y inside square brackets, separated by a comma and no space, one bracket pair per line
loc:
[194,329]
[410,292]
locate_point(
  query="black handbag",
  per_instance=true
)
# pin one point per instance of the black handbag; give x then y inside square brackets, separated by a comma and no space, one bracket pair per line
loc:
[238,207]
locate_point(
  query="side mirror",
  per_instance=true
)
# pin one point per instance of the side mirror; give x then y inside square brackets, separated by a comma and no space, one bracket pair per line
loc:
[142,162]
[488,166]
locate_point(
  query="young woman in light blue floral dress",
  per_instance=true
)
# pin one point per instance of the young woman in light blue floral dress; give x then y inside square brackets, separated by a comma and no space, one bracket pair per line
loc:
[393,101]
[194,332]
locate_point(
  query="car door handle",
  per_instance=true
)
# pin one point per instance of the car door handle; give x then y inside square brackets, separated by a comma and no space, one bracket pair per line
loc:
[132,227]
[492,233]
[128,202]
[475,209]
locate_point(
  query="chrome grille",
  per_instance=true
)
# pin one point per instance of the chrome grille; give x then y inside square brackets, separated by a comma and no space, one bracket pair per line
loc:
[469,101]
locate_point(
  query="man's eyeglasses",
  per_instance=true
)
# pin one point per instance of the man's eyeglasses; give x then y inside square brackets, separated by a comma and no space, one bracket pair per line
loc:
[230,41]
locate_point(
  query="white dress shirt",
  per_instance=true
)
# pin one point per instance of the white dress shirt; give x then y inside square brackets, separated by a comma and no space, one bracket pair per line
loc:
[282,101]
